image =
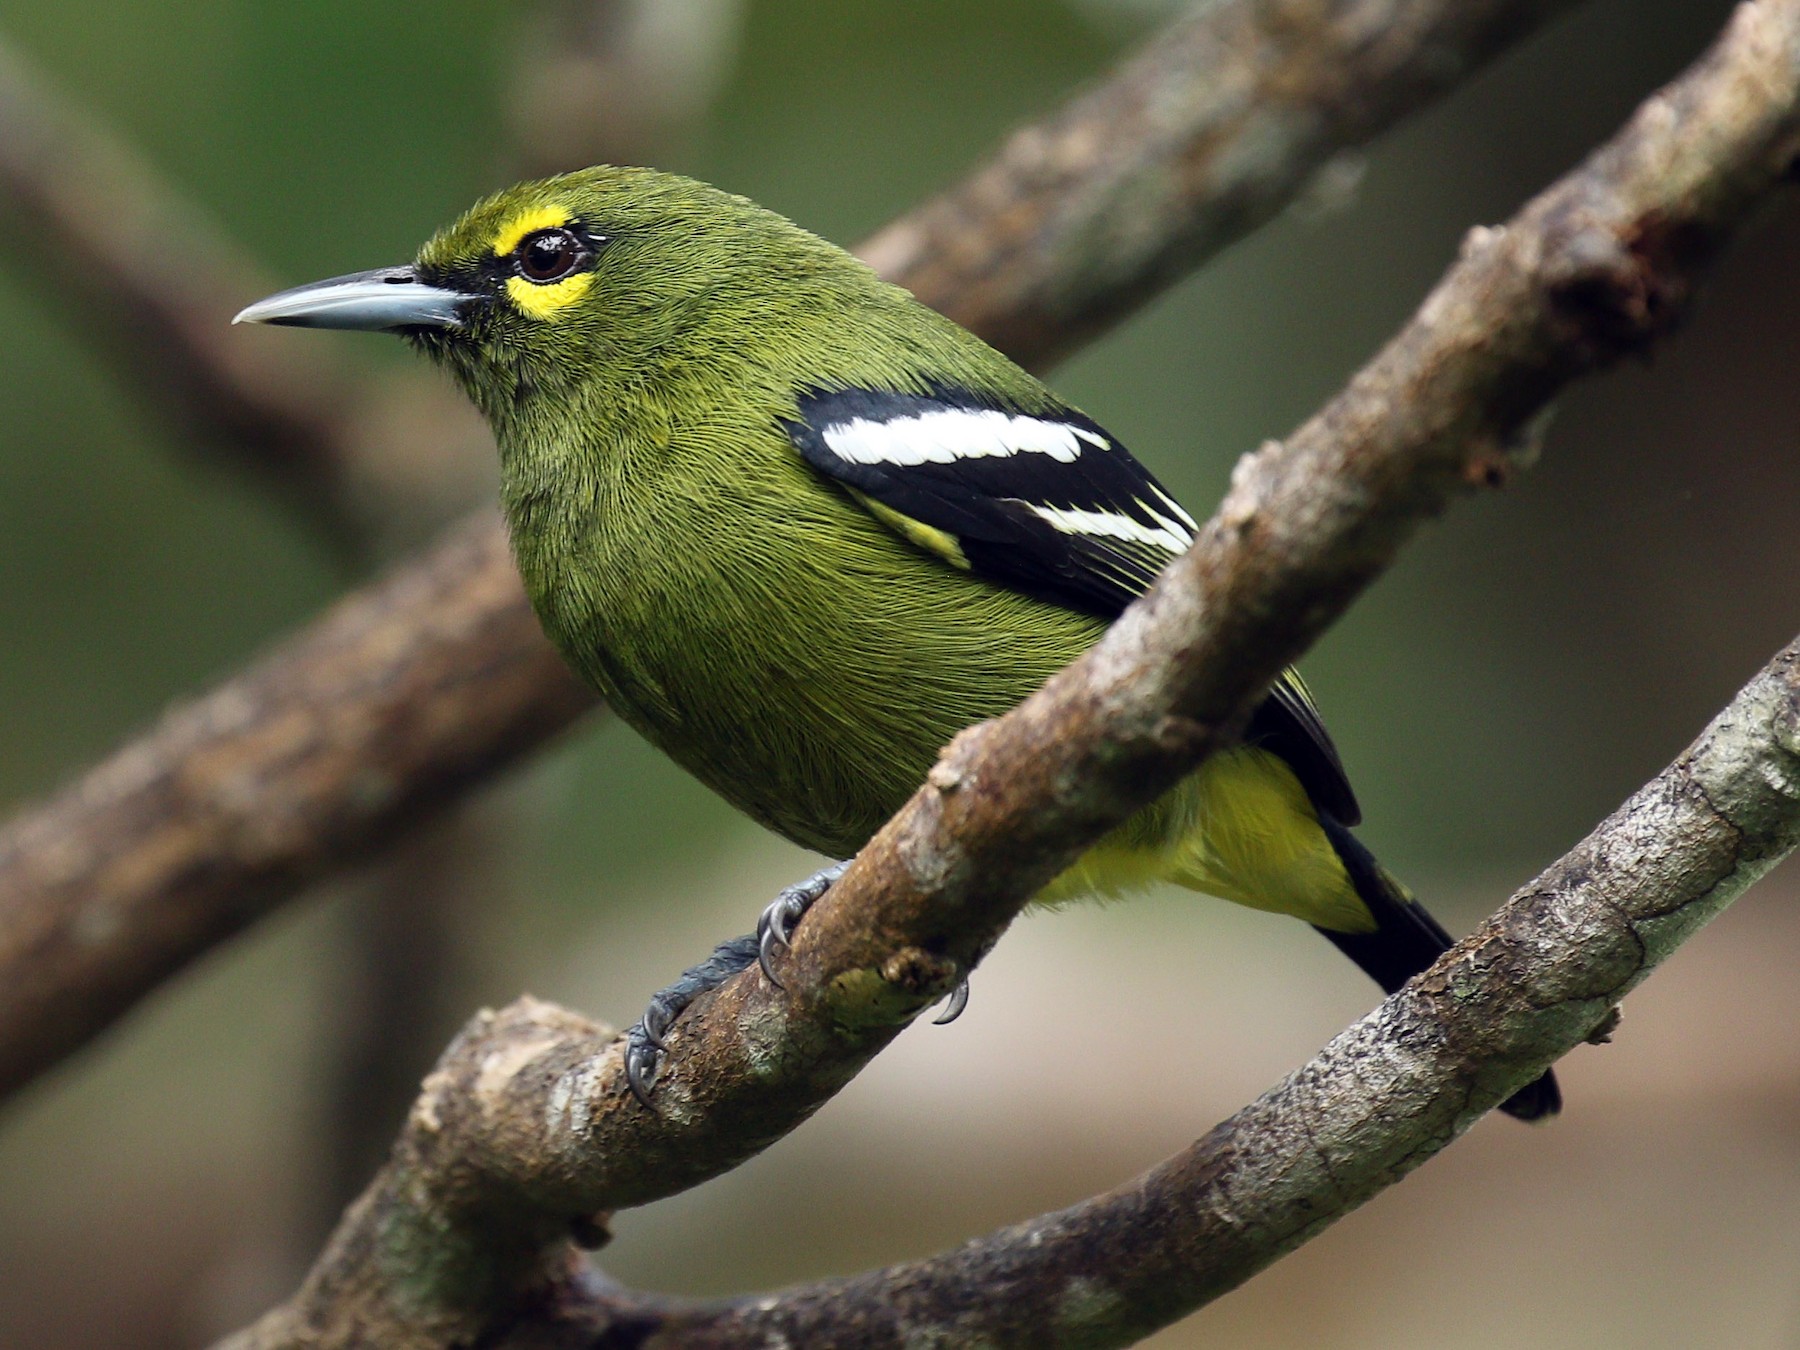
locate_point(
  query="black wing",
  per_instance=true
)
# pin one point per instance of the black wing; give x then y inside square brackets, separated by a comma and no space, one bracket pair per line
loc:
[1043,502]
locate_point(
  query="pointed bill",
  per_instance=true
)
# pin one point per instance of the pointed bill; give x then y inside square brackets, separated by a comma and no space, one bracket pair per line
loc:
[387,298]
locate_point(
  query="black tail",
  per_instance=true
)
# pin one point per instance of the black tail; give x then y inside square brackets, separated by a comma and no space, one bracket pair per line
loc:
[1406,940]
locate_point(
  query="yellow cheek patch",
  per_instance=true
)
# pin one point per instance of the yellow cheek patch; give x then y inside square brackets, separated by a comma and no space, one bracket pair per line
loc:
[546,302]
[527,222]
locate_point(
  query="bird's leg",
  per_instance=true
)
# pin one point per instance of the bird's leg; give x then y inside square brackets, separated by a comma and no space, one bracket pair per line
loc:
[644,1042]
[774,932]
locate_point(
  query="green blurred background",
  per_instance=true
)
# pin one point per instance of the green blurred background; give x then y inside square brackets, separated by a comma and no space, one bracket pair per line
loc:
[1527,664]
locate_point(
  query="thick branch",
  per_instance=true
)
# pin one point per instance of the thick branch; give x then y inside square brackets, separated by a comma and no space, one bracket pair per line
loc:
[1378,1101]
[526,1125]
[396,700]
[51,875]
[1207,132]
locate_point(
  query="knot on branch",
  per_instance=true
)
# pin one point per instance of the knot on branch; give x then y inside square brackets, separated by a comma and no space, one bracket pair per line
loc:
[1784,730]
[1617,290]
[892,993]
[921,974]
[1488,465]
[1249,485]
[1495,457]
[1178,736]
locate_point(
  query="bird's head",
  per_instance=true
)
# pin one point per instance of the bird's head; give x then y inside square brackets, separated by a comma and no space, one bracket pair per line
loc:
[553,282]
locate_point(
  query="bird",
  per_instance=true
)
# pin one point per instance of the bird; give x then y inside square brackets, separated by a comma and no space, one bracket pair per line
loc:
[799,529]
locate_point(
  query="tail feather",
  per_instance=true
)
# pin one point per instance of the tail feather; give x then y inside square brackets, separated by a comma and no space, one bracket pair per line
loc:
[1406,941]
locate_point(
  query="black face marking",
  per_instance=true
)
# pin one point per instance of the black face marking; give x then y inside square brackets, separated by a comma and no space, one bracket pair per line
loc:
[543,258]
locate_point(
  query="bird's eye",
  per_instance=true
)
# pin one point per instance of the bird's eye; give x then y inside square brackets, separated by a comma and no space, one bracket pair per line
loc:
[545,256]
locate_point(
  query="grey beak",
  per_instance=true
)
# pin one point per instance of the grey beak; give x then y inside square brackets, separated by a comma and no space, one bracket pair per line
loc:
[387,298]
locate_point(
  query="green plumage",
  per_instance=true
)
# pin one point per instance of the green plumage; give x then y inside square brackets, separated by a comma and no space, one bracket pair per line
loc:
[754,622]
[771,612]
[750,618]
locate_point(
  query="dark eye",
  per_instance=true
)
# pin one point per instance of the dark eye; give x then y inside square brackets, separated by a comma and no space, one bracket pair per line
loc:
[545,256]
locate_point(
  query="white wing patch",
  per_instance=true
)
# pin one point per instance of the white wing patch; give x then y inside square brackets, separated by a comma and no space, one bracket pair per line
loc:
[1188,523]
[1041,499]
[945,435]
[1166,534]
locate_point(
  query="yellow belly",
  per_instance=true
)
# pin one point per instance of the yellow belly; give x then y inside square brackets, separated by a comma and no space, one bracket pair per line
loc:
[1241,828]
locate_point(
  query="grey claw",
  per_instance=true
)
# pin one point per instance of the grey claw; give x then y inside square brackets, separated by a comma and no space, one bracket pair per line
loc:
[768,938]
[643,1057]
[646,1042]
[775,926]
[953,1009]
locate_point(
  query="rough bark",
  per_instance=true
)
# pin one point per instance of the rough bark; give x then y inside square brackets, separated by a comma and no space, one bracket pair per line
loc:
[102,847]
[1377,1102]
[526,1129]
[396,701]
[1209,131]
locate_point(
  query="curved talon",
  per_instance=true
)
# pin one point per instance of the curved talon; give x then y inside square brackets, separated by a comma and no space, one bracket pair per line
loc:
[643,1057]
[775,926]
[953,1009]
[767,940]
[646,1042]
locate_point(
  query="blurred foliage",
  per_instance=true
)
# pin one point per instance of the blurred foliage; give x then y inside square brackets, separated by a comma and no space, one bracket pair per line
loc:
[1527,664]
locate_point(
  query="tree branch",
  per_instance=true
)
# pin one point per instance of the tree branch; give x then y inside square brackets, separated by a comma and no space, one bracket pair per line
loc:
[102,847]
[616,81]
[1209,131]
[1380,1100]
[393,702]
[156,290]
[526,1126]
[154,295]
[367,462]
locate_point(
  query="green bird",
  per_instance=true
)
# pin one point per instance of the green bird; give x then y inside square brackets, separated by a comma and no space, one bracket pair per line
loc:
[799,529]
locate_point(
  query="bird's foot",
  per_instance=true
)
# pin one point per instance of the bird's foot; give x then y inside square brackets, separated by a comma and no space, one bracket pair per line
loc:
[953,1006]
[644,1042]
[775,932]
[775,929]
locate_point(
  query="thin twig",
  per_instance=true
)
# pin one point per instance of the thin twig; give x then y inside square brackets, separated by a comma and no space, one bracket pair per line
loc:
[617,81]
[526,1126]
[91,915]
[157,286]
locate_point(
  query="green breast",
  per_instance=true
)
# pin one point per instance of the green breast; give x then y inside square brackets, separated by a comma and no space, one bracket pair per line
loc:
[769,634]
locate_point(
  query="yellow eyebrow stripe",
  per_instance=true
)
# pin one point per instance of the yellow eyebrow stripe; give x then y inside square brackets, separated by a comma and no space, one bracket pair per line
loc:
[546,302]
[526,222]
